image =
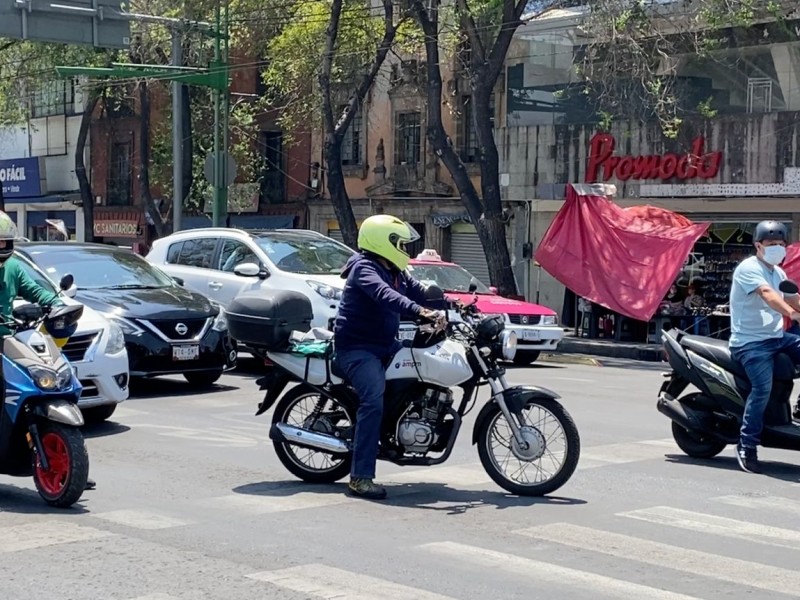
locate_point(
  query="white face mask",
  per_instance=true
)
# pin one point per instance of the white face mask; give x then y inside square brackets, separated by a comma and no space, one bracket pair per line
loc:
[774,255]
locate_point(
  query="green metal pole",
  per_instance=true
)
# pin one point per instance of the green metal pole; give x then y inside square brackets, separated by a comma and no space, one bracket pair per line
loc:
[217,202]
[225,116]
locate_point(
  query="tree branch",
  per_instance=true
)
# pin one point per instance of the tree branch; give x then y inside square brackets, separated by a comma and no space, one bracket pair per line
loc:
[471,29]
[331,33]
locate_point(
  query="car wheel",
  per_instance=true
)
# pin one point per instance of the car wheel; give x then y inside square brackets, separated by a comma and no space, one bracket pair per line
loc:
[203,378]
[98,414]
[524,358]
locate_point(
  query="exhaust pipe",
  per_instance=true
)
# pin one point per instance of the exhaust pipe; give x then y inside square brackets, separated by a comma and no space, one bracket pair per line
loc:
[686,417]
[283,432]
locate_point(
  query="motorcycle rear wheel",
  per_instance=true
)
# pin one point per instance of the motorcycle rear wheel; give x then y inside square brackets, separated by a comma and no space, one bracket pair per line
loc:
[568,464]
[62,484]
[695,443]
[339,466]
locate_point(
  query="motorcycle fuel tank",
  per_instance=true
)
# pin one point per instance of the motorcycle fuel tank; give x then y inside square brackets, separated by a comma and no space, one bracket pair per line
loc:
[444,364]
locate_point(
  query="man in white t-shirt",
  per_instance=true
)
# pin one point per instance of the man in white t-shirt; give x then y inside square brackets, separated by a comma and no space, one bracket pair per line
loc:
[757,333]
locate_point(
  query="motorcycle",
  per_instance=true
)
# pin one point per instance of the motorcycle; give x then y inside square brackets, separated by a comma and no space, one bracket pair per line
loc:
[520,428]
[706,421]
[40,420]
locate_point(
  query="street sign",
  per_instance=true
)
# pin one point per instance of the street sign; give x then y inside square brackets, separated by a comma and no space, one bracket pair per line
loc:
[208,169]
[99,23]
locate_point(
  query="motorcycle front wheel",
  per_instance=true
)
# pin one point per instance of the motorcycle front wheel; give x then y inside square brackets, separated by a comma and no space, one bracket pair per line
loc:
[549,458]
[62,483]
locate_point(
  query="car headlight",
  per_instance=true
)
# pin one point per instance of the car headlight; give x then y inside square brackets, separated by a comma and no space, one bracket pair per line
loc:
[508,344]
[220,321]
[45,378]
[116,339]
[326,291]
[550,320]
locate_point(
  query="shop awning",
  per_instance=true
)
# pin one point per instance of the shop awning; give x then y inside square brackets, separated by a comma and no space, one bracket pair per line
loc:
[622,258]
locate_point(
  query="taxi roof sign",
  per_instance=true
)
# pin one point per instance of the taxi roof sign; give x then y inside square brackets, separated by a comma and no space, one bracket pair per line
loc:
[429,254]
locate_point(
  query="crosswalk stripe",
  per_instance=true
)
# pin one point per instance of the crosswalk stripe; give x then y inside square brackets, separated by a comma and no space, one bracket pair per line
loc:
[543,572]
[41,534]
[263,504]
[460,475]
[140,519]
[625,452]
[712,524]
[321,581]
[704,564]
[778,503]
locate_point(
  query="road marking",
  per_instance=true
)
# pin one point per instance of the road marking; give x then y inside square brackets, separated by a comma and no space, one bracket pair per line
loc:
[46,533]
[263,504]
[711,524]
[456,476]
[217,437]
[140,519]
[760,502]
[540,572]
[123,411]
[621,453]
[704,564]
[321,581]
[156,596]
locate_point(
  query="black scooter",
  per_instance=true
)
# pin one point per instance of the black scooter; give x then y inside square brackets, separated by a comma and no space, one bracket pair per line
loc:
[704,422]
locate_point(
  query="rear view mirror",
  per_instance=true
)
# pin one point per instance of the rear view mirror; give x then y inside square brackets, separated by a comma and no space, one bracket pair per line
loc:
[493,289]
[787,286]
[473,286]
[433,293]
[66,282]
[179,281]
[249,269]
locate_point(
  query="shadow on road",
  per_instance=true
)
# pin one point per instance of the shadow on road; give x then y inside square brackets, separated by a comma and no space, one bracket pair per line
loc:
[98,430]
[425,496]
[775,469]
[161,386]
[24,501]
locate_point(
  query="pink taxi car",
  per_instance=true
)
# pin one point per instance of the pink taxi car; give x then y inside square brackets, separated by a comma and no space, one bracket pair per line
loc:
[536,326]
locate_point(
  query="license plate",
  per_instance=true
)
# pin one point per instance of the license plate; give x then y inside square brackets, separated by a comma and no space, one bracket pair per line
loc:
[406,335]
[531,335]
[190,352]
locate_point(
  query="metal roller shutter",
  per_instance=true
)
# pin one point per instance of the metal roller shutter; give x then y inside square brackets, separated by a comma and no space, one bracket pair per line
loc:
[466,250]
[335,234]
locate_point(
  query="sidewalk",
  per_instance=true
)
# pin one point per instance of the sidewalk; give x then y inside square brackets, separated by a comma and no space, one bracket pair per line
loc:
[571,348]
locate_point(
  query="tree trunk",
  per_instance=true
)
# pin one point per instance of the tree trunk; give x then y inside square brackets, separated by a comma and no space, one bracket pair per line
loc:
[336,186]
[161,225]
[85,186]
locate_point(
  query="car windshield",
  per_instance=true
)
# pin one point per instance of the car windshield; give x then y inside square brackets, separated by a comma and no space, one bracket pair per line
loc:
[307,255]
[36,275]
[451,278]
[99,268]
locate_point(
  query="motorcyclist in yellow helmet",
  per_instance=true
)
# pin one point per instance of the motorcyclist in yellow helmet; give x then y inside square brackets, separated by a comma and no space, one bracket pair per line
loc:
[378,291]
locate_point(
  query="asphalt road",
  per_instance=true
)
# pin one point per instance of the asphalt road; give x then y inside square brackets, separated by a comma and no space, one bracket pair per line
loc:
[192,504]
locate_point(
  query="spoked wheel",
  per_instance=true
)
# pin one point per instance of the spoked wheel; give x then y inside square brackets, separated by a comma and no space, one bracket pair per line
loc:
[62,484]
[305,408]
[544,463]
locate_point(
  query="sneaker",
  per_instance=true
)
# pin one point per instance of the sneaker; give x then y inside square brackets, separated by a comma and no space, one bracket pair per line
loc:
[90,484]
[748,459]
[365,488]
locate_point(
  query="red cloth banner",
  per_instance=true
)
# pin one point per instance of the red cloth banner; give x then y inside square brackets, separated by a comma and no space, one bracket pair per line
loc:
[791,264]
[623,259]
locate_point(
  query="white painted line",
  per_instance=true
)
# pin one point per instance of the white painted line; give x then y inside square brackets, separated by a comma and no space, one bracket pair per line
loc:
[123,411]
[156,596]
[711,524]
[265,504]
[778,503]
[628,452]
[321,581]
[42,534]
[140,519]
[703,564]
[543,572]
[456,476]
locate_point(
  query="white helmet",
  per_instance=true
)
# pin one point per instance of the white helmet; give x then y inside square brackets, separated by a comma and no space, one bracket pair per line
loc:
[8,233]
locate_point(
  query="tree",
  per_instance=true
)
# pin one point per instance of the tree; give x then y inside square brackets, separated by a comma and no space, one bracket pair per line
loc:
[85,185]
[344,59]
[488,46]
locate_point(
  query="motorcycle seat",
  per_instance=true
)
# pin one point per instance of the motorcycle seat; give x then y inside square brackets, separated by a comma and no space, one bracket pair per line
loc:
[717,351]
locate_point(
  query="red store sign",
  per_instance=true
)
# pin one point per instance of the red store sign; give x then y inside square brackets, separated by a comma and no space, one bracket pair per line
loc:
[694,164]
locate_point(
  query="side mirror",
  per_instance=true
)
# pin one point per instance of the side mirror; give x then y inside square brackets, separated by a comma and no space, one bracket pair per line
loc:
[434,293]
[473,286]
[493,289]
[249,270]
[67,281]
[787,286]
[179,281]
[72,291]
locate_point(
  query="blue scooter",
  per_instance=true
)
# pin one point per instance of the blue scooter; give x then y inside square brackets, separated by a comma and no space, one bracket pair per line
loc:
[40,422]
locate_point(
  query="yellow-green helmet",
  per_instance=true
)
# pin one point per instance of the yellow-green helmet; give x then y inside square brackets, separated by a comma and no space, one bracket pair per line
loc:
[386,236]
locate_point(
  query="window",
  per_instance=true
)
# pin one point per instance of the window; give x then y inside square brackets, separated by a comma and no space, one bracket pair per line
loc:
[235,253]
[468,135]
[120,179]
[51,98]
[351,144]
[759,95]
[37,276]
[173,253]
[273,183]
[407,138]
[197,253]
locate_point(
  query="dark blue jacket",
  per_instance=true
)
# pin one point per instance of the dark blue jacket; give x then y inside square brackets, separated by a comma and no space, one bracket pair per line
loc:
[373,301]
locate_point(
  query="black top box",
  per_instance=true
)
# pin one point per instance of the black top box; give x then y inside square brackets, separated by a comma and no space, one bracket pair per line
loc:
[266,319]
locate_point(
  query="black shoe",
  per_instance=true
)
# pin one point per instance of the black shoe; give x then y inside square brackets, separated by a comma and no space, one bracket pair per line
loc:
[90,484]
[796,413]
[748,459]
[365,488]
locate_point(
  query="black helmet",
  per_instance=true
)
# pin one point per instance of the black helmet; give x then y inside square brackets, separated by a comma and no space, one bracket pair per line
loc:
[770,230]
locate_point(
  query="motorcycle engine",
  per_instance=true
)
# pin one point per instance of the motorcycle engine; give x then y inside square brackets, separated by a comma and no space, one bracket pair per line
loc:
[416,431]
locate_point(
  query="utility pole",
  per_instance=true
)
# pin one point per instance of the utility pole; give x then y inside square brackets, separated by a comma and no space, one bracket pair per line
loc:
[177,133]
[221,100]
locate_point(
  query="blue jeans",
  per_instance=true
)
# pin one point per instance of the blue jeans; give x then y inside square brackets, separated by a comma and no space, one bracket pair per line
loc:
[758,359]
[366,372]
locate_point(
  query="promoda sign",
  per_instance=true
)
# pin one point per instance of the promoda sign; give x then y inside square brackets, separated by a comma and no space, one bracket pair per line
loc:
[694,164]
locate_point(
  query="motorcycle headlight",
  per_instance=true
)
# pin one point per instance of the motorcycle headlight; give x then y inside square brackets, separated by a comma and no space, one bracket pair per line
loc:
[550,320]
[508,344]
[220,321]
[64,377]
[326,291]
[116,339]
[45,378]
